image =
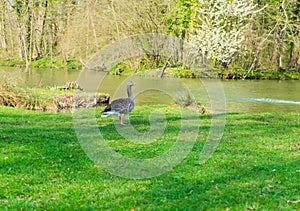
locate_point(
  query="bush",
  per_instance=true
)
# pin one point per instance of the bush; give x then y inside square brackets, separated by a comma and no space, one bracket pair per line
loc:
[183,73]
[184,98]
[22,98]
[119,67]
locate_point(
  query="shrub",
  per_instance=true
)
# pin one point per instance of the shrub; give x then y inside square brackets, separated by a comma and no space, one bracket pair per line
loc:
[118,67]
[183,73]
[184,98]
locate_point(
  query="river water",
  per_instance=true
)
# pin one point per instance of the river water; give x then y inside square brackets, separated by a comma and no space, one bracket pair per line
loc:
[238,95]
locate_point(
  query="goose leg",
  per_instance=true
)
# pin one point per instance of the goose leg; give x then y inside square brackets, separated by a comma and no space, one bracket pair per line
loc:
[121,119]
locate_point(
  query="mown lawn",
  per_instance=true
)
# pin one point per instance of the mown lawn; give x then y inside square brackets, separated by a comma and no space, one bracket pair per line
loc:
[255,167]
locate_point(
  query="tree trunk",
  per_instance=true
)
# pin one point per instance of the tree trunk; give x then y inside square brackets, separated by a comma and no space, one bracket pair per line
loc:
[164,67]
[287,69]
[3,30]
[298,68]
[42,30]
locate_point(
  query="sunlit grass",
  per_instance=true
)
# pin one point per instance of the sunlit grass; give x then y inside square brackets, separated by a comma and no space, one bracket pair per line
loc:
[43,167]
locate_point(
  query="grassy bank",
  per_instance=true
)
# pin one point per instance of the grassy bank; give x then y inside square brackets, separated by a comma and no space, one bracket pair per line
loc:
[43,167]
[231,73]
[56,99]
[259,74]
[123,68]
[55,62]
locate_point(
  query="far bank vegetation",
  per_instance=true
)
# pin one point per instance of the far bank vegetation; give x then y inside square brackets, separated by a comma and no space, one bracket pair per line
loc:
[67,33]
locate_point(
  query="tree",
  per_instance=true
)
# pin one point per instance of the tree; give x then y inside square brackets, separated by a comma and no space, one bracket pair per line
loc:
[273,37]
[221,28]
[181,18]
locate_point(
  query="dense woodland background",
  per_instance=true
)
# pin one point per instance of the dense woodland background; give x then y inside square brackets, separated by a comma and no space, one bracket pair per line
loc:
[244,35]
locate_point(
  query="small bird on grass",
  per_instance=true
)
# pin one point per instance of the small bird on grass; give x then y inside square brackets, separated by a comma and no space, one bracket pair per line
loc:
[121,106]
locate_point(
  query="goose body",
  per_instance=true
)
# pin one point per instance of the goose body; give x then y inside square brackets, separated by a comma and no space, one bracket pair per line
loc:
[121,106]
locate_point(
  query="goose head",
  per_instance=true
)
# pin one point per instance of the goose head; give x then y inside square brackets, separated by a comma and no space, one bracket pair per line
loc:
[131,83]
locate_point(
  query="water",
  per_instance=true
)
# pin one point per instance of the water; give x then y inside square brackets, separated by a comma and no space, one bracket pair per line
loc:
[263,96]
[240,96]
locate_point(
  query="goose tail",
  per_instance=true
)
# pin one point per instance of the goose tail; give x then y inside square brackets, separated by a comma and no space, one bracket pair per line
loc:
[107,113]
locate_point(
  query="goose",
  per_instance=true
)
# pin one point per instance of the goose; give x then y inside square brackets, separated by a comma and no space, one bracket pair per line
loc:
[121,106]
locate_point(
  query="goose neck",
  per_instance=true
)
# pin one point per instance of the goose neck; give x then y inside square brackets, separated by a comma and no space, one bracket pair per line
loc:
[129,92]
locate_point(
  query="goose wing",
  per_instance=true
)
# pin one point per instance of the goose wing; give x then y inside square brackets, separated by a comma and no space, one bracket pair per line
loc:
[122,106]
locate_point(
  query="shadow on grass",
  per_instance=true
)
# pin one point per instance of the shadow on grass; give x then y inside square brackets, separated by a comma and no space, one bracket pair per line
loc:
[255,167]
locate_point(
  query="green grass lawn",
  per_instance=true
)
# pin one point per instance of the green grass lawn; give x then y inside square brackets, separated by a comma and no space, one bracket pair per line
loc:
[255,167]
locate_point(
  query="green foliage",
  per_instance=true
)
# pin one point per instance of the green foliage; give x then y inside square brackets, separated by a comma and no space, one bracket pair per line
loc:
[56,62]
[24,98]
[292,75]
[12,62]
[183,73]
[59,99]
[184,98]
[119,67]
[261,74]
[61,33]
[181,18]
[139,64]
[43,167]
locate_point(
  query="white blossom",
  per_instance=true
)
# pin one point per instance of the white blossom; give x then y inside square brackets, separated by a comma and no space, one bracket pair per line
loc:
[222,27]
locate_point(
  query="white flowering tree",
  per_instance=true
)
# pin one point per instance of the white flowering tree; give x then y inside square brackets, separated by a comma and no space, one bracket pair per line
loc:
[221,28]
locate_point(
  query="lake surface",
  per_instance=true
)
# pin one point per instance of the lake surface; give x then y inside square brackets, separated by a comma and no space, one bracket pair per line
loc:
[239,96]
